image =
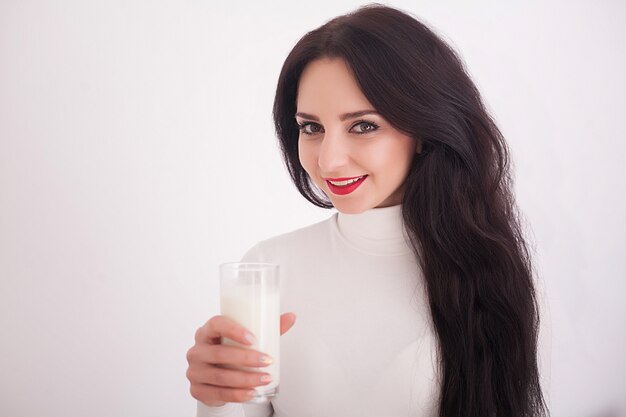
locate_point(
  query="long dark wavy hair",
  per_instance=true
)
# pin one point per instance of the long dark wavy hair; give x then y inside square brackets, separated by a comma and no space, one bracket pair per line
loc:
[458,207]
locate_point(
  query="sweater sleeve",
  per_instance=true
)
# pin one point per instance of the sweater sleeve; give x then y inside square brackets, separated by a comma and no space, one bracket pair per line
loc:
[254,254]
[235,410]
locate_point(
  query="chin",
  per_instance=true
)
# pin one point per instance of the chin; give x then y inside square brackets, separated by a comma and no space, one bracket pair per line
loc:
[350,207]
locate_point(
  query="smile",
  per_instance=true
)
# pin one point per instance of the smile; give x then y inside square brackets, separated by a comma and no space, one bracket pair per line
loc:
[343,186]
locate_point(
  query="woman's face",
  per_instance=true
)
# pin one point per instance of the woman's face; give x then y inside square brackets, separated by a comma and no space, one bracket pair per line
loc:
[335,145]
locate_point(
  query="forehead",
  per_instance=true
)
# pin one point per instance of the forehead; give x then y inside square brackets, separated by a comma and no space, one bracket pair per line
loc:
[328,86]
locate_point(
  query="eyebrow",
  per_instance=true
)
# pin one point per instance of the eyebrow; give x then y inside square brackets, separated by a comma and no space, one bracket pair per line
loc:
[343,117]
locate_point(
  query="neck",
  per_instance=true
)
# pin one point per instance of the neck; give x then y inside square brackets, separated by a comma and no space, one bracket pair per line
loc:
[377,231]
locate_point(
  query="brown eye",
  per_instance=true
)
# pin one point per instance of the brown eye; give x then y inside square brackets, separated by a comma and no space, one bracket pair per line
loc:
[303,128]
[366,127]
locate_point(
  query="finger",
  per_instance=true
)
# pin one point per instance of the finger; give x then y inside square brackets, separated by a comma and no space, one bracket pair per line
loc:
[208,393]
[227,355]
[219,326]
[226,377]
[286,321]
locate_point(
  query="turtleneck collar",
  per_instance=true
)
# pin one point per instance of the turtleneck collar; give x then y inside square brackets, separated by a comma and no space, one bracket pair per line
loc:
[376,231]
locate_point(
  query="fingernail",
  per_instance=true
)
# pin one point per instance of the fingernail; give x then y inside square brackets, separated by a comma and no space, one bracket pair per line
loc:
[266,359]
[250,338]
[251,394]
[266,378]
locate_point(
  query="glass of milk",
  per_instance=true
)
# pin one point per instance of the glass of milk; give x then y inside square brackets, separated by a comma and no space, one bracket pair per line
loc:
[250,296]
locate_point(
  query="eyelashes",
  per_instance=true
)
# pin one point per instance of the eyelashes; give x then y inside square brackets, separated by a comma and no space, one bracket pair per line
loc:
[372,127]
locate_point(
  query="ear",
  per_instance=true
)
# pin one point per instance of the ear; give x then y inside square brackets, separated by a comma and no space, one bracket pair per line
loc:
[418,146]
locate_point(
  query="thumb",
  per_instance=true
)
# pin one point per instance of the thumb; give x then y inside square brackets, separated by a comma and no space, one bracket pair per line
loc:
[286,321]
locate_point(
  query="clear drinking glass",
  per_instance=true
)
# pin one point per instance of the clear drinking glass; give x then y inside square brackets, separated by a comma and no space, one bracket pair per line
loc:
[250,296]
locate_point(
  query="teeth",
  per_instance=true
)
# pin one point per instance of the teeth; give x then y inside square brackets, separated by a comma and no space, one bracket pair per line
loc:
[344,183]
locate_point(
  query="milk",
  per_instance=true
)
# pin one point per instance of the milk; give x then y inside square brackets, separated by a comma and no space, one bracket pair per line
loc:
[257,308]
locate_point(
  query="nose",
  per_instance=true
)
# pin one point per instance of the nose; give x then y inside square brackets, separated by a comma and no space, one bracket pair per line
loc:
[334,154]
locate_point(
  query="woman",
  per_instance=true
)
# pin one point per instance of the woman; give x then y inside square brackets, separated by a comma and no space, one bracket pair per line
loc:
[417,297]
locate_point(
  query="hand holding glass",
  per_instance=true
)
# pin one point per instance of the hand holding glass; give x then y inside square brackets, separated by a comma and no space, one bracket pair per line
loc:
[250,296]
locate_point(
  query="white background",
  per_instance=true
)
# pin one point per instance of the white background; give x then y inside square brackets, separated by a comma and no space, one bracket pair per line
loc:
[137,152]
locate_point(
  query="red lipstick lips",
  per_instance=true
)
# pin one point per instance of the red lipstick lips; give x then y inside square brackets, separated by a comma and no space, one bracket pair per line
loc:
[345,189]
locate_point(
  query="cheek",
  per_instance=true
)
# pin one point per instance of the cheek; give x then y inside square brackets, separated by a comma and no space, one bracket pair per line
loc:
[394,158]
[306,154]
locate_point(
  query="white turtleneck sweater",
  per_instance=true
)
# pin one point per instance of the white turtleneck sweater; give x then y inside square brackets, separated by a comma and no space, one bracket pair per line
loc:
[363,343]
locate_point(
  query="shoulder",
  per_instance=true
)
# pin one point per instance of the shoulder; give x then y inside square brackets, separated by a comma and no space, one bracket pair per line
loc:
[296,240]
